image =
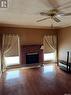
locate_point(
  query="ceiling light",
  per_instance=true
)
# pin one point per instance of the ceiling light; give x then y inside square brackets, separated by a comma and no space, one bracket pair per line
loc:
[58,15]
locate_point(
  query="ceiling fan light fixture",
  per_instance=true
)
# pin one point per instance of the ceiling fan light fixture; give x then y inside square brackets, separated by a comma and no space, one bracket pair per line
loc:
[58,15]
[62,14]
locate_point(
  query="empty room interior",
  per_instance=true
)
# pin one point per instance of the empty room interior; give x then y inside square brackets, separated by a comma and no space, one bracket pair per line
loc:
[35,47]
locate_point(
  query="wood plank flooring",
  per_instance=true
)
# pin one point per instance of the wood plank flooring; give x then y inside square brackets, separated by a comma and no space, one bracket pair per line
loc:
[46,80]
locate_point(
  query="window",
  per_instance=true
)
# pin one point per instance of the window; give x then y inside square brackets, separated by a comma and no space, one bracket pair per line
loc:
[49,56]
[12,60]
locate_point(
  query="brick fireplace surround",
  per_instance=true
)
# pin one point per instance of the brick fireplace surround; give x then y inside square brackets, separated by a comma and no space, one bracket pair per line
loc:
[26,49]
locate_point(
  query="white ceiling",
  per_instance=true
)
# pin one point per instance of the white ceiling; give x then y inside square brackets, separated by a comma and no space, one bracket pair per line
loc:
[26,12]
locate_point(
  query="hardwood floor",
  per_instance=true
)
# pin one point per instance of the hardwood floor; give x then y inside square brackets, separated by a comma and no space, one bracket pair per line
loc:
[46,80]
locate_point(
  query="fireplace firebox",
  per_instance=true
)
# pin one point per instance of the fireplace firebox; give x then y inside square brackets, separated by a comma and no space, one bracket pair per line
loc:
[32,58]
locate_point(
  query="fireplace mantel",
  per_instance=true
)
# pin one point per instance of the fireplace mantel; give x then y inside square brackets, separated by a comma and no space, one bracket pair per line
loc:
[29,49]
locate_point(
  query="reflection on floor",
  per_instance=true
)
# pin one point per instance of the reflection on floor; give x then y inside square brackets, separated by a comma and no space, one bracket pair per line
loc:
[45,80]
[48,68]
[13,74]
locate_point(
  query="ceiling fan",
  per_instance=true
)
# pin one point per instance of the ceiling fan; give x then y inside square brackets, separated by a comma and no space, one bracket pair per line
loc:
[55,11]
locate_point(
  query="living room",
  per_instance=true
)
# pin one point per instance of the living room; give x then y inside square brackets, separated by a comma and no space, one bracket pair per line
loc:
[35,49]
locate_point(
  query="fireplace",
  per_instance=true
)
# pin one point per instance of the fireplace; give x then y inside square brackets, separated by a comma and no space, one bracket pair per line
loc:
[32,58]
[31,54]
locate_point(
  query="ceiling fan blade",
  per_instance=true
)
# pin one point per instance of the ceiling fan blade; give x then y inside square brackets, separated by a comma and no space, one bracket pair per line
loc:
[44,13]
[64,14]
[56,19]
[42,19]
[53,3]
[64,7]
[67,14]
